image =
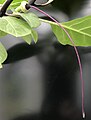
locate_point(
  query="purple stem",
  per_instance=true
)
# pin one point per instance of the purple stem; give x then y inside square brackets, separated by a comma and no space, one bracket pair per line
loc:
[76,51]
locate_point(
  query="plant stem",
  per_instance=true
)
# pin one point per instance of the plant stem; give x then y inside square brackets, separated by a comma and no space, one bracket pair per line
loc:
[76,51]
[4,7]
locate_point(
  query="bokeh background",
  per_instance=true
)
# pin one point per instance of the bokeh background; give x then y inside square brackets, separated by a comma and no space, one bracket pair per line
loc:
[41,81]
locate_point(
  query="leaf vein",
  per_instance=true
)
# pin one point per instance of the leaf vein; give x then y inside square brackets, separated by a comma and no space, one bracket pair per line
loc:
[11,26]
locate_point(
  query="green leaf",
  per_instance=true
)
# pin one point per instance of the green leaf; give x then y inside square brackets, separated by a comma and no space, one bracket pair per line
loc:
[79,30]
[27,38]
[3,54]
[14,1]
[2,34]
[14,26]
[30,18]
[14,4]
[34,35]
[2,1]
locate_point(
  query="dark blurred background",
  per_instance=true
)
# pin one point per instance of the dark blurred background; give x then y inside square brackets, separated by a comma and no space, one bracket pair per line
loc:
[41,81]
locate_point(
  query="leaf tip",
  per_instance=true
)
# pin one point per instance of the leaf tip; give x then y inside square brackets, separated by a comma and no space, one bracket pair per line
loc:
[1,66]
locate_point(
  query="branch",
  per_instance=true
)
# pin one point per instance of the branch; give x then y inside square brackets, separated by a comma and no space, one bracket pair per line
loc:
[4,7]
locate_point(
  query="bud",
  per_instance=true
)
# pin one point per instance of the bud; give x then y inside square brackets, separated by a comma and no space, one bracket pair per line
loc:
[23,6]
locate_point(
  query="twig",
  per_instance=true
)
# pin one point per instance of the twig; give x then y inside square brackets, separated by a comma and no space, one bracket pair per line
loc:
[4,7]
